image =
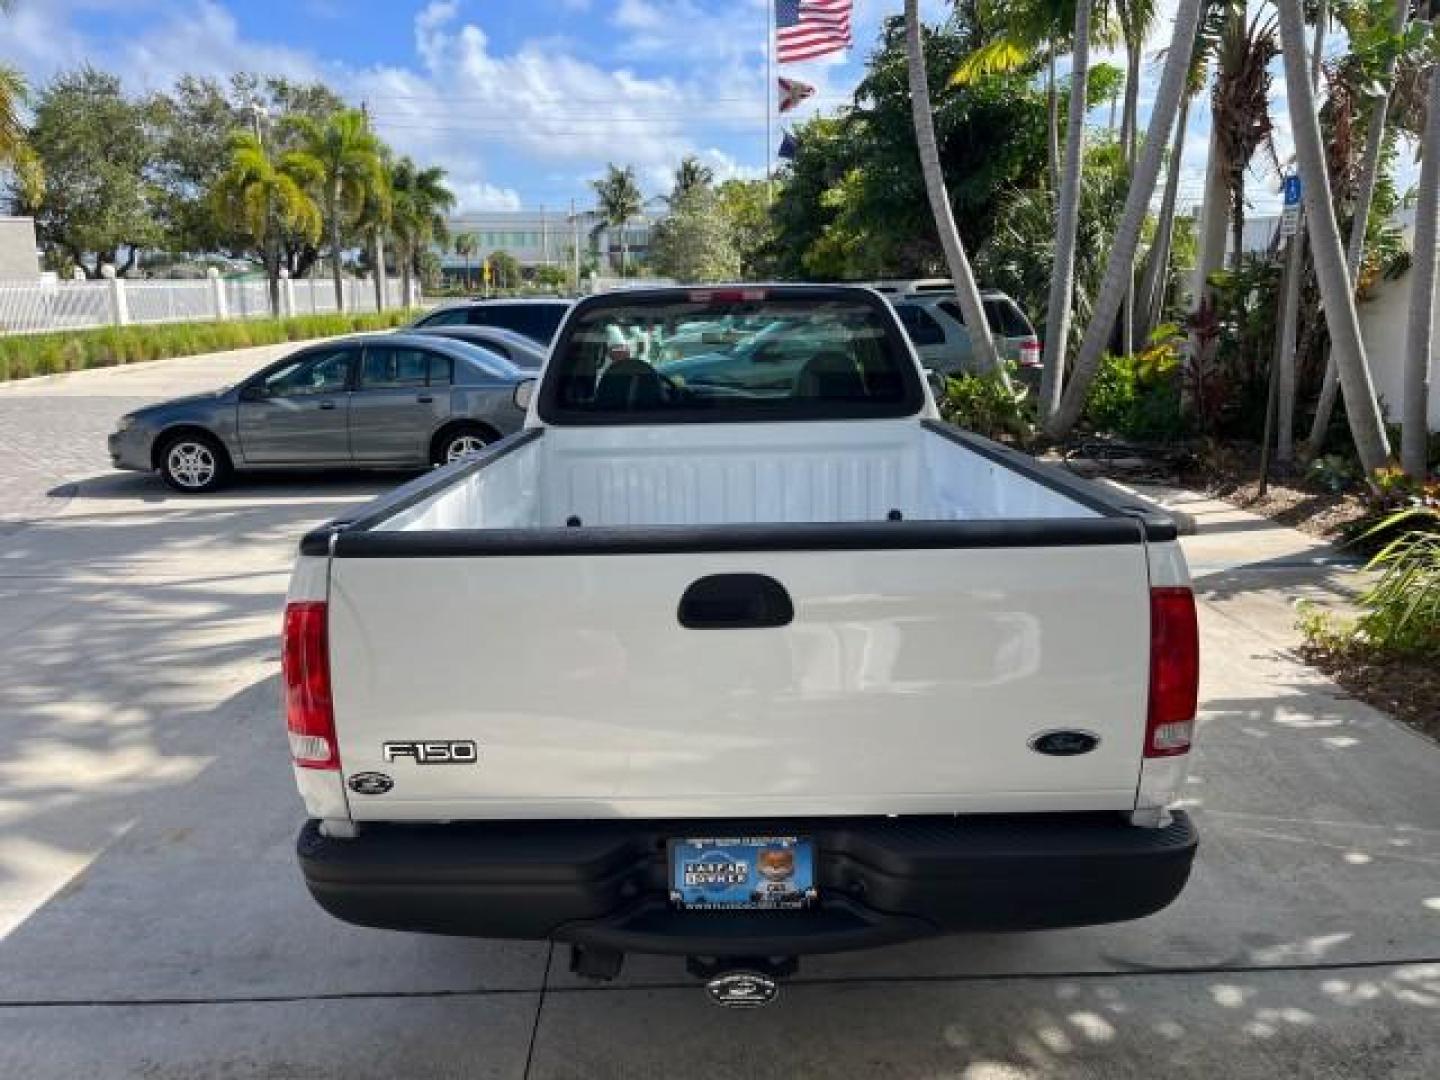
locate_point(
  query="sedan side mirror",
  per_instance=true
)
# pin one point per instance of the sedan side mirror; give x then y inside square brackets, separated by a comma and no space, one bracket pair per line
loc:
[253,392]
[524,394]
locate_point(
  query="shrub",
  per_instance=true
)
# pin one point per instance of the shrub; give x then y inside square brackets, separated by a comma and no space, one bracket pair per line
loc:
[981,403]
[1138,396]
[1402,609]
[45,354]
[1400,613]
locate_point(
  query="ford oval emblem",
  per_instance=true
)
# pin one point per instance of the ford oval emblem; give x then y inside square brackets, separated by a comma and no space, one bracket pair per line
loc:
[742,989]
[1064,742]
[371,783]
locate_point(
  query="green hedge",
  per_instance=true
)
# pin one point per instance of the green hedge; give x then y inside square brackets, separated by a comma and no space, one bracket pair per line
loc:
[44,354]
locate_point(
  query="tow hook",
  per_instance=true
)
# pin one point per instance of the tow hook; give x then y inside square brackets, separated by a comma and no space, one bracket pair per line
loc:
[742,982]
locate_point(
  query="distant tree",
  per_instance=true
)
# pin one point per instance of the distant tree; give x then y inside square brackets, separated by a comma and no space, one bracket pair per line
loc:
[552,277]
[690,176]
[261,195]
[465,246]
[96,153]
[346,157]
[694,242]
[421,201]
[619,196]
[745,207]
[504,270]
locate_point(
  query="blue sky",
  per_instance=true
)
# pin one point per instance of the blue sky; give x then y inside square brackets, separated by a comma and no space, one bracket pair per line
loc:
[522,101]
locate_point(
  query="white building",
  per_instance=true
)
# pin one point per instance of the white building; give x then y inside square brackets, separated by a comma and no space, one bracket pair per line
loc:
[538,238]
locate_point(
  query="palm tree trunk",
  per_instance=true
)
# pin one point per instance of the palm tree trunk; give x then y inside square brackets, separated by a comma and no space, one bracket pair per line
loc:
[1129,116]
[1155,283]
[1052,110]
[1290,304]
[379,265]
[332,209]
[1336,293]
[1214,213]
[1364,196]
[967,293]
[1137,202]
[1420,332]
[1067,223]
[407,279]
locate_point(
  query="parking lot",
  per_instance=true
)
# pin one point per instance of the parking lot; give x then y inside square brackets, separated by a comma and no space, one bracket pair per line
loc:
[154,923]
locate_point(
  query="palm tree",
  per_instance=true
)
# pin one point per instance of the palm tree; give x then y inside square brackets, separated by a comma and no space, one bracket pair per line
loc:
[347,156]
[421,200]
[620,200]
[15,151]
[1028,28]
[1420,332]
[1285,374]
[690,176]
[13,93]
[1366,425]
[1127,236]
[967,293]
[375,219]
[466,245]
[262,197]
[1364,196]
[1155,284]
[1062,284]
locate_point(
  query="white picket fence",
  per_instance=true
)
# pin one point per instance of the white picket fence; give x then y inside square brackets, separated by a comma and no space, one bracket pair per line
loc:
[38,307]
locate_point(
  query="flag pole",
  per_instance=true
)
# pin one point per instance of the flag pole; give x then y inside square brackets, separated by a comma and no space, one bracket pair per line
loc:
[769,91]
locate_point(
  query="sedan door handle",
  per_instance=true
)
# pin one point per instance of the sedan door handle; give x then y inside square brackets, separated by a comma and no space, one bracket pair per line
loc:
[425,399]
[327,404]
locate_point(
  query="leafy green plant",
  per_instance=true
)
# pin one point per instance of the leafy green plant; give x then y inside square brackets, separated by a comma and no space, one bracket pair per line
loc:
[45,354]
[984,404]
[1402,610]
[1334,472]
[1139,396]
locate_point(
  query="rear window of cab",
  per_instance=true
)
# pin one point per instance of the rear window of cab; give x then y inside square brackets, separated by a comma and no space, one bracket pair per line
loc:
[730,355]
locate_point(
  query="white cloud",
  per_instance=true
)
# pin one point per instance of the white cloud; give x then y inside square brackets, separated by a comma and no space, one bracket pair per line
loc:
[474,195]
[206,41]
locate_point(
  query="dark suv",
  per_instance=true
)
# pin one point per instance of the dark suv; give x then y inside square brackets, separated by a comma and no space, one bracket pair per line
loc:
[536,319]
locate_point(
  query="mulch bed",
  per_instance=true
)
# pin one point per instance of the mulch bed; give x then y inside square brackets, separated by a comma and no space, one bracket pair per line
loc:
[1408,688]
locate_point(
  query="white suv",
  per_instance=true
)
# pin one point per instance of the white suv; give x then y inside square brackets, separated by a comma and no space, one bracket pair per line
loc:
[936,327]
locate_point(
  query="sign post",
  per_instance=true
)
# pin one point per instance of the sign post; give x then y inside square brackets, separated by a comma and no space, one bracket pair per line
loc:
[1290,214]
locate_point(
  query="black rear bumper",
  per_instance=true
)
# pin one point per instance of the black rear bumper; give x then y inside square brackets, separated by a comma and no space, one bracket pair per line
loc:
[881,880]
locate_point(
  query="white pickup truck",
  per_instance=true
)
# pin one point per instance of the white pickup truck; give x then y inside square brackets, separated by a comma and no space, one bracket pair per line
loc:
[740,655]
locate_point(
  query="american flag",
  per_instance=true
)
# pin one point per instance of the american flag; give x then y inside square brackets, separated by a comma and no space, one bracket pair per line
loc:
[805,29]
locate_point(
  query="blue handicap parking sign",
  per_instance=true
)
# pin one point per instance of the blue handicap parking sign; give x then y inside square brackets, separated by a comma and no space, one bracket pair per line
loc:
[1292,190]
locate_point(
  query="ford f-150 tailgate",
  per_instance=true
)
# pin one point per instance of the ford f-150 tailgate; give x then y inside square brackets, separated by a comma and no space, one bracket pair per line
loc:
[905,681]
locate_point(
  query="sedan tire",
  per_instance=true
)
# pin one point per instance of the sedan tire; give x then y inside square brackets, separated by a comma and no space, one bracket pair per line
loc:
[193,463]
[461,441]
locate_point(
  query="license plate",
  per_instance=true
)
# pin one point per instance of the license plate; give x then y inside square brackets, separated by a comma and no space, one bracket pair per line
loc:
[774,873]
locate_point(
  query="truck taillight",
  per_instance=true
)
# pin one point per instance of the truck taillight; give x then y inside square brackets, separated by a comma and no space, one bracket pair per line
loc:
[1030,353]
[1174,672]
[305,665]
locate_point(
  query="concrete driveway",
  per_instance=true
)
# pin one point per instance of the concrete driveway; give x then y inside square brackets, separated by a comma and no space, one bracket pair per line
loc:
[155,925]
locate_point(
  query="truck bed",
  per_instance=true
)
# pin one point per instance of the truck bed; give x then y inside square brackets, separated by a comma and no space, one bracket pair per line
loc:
[530,602]
[780,473]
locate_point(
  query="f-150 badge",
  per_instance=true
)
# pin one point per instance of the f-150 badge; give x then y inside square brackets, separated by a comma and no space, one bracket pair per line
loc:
[442,752]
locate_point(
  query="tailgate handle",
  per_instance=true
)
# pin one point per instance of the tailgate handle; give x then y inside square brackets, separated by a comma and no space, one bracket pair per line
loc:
[734,602]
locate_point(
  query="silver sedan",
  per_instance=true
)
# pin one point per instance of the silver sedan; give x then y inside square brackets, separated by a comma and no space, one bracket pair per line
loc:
[379,401]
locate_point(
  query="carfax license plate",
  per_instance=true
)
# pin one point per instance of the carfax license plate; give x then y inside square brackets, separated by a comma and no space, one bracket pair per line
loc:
[775,873]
